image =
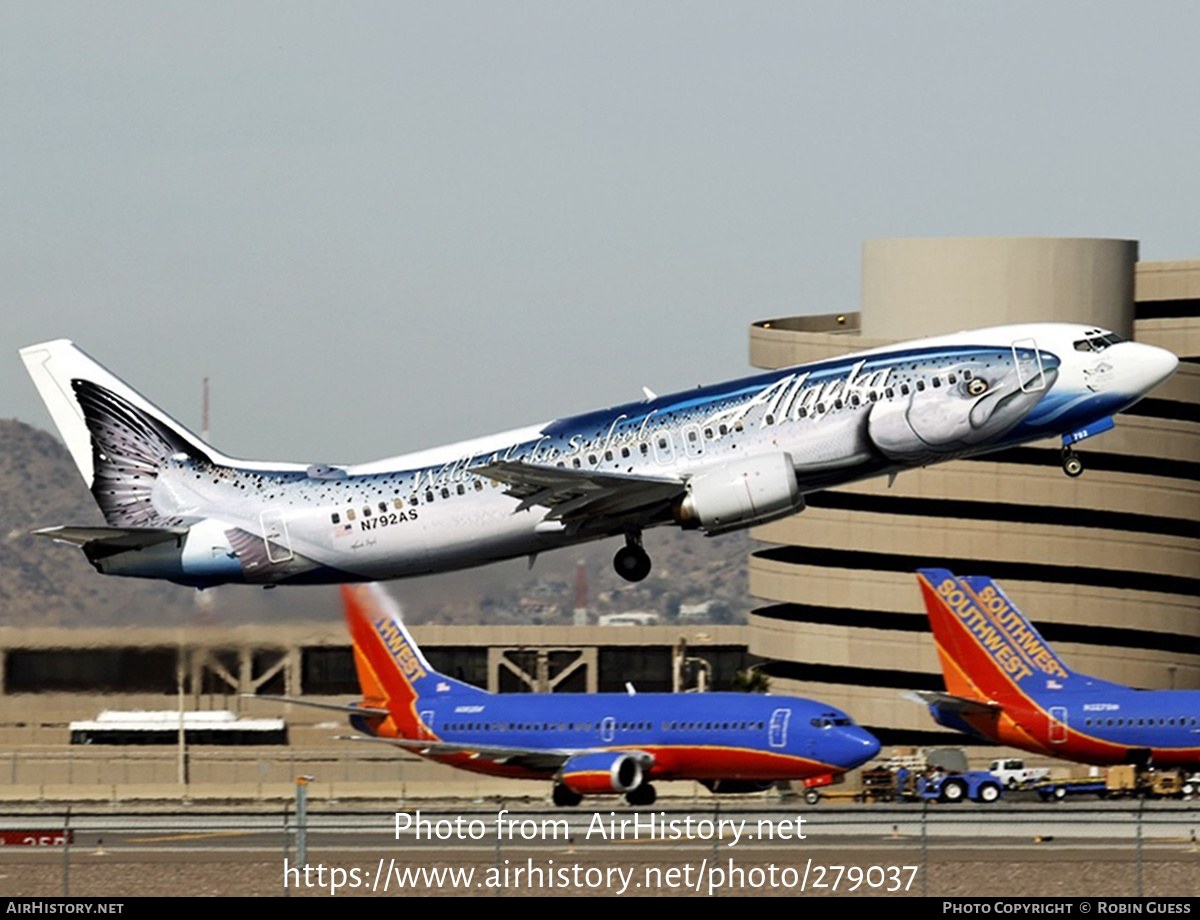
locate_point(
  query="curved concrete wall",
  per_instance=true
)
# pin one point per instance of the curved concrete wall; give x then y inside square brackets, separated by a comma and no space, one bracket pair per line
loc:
[916,287]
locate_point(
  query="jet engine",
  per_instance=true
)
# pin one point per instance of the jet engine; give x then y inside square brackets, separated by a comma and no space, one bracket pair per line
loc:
[751,490]
[603,772]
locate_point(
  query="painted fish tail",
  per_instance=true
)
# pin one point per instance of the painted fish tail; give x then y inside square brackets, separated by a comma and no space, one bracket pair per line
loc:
[118,440]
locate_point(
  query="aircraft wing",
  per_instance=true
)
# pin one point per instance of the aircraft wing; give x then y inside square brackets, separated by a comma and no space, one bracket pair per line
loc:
[576,494]
[547,760]
[951,703]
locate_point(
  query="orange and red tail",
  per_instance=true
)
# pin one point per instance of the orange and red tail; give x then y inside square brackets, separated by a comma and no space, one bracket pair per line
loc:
[392,672]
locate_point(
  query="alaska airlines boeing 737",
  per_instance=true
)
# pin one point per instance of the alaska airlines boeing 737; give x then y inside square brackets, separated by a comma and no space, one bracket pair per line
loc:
[586,743]
[716,458]
[1005,683]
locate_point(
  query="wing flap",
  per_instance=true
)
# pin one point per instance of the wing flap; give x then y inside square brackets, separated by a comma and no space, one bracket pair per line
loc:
[572,495]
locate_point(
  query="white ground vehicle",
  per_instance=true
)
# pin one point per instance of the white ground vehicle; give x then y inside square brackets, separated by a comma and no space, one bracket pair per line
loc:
[1014,774]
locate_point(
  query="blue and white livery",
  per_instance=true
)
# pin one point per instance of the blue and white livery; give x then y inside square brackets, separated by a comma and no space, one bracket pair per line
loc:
[717,458]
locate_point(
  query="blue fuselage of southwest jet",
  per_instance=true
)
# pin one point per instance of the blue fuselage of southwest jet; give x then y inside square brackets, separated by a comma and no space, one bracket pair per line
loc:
[716,458]
[723,737]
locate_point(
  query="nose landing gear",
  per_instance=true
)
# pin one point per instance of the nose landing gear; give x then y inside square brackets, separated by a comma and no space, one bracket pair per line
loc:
[1071,463]
[631,561]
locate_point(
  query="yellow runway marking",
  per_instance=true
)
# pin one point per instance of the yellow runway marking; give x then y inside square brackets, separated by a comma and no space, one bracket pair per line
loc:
[175,837]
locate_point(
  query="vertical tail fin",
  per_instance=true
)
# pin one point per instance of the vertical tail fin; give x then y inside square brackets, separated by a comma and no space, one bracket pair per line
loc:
[392,672]
[117,438]
[989,650]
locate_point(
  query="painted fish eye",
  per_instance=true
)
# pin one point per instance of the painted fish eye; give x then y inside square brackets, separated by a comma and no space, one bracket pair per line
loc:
[977,386]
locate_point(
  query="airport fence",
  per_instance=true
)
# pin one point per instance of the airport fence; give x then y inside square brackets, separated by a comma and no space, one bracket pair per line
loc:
[499,848]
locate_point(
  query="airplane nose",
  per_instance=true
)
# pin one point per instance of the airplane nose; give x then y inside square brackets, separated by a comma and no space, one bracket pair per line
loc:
[860,746]
[1152,366]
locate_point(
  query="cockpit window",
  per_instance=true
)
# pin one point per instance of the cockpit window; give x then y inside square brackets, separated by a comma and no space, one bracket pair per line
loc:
[1097,341]
[829,721]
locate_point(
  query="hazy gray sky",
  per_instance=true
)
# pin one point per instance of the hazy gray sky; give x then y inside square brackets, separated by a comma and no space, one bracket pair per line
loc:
[382,226]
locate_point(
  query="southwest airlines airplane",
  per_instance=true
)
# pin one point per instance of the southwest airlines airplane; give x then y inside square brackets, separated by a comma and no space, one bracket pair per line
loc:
[587,743]
[715,458]
[1005,684]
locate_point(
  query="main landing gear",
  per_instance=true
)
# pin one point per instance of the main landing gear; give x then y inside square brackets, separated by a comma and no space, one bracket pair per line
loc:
[564,797]
[631,561]
[1071,463]
[645,794]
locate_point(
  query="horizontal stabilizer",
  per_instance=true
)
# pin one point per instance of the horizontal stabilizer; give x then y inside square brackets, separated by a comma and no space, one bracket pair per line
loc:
[116,538]
[948,702]
[358,709]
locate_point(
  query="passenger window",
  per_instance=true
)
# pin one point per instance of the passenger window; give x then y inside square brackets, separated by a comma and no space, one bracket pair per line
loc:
[366,510]
[349,514]
[337,518]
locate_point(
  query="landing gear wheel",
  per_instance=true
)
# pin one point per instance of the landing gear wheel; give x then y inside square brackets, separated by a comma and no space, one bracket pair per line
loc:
[1071,463]
[631,561]
[564,797]
[811,796]
[645,794]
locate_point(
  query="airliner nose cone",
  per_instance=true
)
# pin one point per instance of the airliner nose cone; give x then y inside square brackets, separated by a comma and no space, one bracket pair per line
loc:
[1154,366]
[865,746]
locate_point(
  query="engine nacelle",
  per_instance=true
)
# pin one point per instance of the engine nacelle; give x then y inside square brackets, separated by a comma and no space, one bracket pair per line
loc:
[602,772]
[740,493]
